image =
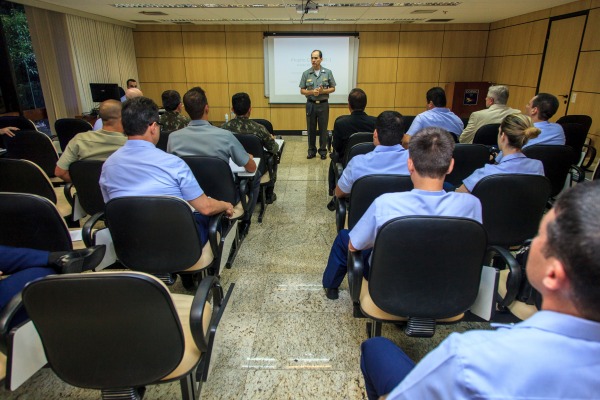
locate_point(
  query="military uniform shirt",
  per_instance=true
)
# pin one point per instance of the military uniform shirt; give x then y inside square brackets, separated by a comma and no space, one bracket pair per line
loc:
[310,81]
[171,121]
[91,145]
[245,125]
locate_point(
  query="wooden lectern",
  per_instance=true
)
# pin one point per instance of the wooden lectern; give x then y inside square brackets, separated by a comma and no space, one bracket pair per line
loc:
[466,97]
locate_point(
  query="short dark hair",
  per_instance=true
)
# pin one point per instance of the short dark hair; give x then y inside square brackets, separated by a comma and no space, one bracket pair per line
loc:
[320,53]
[171,99]
[195,102]
[573,238]
[390,128]
[129,80]
[547,105]
[241,103]
[357,99]
[431,150]
[137,114]
[437,96]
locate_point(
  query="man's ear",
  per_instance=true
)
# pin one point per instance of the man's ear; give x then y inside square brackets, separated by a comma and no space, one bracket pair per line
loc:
[555,277]
[450,167]
[410,165]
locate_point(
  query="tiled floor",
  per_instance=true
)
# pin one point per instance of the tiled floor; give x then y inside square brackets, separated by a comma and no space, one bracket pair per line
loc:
[280,337]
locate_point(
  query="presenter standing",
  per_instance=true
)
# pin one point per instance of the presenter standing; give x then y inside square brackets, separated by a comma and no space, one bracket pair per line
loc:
[316,84]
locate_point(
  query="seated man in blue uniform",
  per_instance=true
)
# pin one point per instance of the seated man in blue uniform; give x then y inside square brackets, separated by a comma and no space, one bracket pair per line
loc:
[553,354]
[389,157]
[23,265]
[436,115]
[430,160]
[200,138]
[140,169]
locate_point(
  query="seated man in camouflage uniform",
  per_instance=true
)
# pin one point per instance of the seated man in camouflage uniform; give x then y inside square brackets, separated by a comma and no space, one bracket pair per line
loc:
[172,119]
[242,123]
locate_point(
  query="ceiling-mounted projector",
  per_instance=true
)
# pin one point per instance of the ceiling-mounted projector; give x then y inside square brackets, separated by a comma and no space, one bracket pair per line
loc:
[309,8]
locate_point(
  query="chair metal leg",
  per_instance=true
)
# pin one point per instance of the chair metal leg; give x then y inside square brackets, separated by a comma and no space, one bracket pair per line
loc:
[263,203]
[235,247]
[373,328]
[189,387]
[420,327]
[123,394]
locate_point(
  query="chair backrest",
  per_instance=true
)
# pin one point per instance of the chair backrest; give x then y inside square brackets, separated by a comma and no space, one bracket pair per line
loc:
[24,176]
[33,146]
[584,120]
[106,330]
[366,189]
[512,206]
[67,128]
[596,173]
[253,146]
[467,158]
[407,121]
[85,175]
[360,148]
[163,140]
[266,124]
[427,267]
[214,176]
[27,220]
[575,136]
[18,122]
[557,162]
[154,234]
[354,139]
[487,134]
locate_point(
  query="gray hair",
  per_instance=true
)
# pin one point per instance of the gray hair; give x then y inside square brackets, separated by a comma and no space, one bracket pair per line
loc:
[499,93]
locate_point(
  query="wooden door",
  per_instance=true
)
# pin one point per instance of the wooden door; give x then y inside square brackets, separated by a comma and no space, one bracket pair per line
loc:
[560,60]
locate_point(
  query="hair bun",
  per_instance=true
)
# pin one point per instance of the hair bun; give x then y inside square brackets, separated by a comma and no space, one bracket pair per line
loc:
[532,132]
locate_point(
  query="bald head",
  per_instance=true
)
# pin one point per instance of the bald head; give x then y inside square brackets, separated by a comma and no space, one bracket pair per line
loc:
[132,93]
[110,110]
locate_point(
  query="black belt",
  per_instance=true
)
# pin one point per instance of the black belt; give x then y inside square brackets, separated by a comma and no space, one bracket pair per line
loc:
[317,101]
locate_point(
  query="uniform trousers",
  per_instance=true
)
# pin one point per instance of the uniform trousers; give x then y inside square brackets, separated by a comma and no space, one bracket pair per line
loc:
[317,114]
[336,268]
[384,365]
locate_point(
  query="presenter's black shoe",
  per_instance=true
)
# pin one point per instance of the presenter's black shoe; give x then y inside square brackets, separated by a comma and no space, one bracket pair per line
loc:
[332,293]
[310,155]
[80,260]
[323,156]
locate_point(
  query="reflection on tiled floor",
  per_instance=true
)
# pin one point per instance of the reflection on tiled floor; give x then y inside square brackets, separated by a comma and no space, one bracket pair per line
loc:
[280,337]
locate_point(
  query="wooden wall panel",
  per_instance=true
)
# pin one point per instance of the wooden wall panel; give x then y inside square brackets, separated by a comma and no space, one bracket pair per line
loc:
[154,90]
[537,40]
[379,94]
[206,69]
[378,44]
[465,44]
[587,78]
[418,69]
[158,44]
[421,44]
[161,70]
[592,31]
[204,44]
[375,70]
[412,94]
[289,118]
[256,91]
[461,69]
[244,44]
[216,93]
[246,70]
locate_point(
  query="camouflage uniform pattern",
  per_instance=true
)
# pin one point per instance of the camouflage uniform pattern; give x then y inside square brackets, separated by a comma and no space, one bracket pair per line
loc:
[171,121]
[247,126]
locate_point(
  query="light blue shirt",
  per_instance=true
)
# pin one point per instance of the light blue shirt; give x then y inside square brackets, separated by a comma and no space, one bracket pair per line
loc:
[389,160]
[551,134]
[548,356]
[516,163]
[415,202]
[98,124]
[440,117]
[140,169]
[200,138]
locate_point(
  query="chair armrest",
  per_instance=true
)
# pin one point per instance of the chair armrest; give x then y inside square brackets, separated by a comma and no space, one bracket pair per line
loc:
[215,226]
[340,213]
[577,174]
[86,232]
[67,190]
[591,150]
[515,276]
[355,274]
[244,190]
[209,286]
[338,170]
[8,312]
